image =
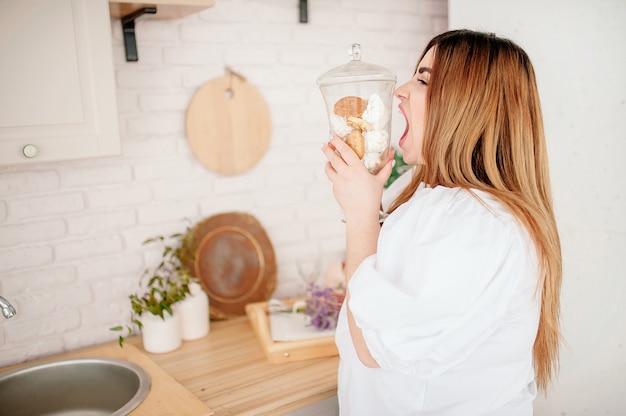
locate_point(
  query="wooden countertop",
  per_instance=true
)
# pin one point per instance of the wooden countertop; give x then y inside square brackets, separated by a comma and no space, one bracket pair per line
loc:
[167,397]
[228,371]
[224,373]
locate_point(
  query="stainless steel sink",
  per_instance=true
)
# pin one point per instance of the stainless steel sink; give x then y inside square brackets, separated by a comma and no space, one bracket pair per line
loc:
[83,386]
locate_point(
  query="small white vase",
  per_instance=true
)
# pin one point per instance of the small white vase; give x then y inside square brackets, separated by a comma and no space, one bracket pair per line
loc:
[194,313]
[161,335]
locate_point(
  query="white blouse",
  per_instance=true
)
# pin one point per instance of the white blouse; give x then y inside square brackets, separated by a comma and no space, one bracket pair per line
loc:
[449,309]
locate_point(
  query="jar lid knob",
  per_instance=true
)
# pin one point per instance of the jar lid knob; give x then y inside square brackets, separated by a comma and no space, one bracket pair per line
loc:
[355,52]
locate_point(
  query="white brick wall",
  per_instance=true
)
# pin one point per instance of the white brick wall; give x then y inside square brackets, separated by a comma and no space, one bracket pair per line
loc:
[71,233]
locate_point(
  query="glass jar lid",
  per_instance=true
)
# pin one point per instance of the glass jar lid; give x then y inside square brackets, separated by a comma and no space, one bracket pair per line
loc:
[355,71]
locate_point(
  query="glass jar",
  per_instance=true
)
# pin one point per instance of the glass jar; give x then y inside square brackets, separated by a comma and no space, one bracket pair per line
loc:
[358,98]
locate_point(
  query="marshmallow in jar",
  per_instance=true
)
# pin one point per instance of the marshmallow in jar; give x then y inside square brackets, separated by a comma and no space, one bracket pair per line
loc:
[358,98]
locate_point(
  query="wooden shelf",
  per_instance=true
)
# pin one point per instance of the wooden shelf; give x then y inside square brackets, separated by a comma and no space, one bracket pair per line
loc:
[166,9]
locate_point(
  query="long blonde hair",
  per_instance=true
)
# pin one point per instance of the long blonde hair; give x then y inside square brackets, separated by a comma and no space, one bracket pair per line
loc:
[484,130]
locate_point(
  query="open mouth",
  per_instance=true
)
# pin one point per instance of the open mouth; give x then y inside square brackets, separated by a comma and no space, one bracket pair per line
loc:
[406,128]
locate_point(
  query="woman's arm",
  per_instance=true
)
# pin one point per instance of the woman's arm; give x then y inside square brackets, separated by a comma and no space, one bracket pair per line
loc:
[361,239]
[359,193]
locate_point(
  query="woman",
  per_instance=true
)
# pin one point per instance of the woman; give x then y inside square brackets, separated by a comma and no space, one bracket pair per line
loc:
[452,307]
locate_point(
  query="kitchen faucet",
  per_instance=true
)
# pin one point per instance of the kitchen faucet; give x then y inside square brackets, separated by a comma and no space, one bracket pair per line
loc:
[7,309]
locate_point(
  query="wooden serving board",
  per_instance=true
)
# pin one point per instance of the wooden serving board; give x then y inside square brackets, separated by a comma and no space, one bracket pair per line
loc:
[284,352]
[228,125]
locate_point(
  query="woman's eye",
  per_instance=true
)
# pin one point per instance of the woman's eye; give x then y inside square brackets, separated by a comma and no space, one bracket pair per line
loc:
[421,81]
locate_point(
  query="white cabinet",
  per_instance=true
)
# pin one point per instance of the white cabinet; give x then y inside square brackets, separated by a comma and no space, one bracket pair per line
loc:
[57,87]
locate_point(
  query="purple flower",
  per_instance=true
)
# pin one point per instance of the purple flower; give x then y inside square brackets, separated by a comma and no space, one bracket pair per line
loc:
[322,306]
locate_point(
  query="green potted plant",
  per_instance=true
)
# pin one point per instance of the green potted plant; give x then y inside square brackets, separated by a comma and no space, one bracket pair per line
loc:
[152,309]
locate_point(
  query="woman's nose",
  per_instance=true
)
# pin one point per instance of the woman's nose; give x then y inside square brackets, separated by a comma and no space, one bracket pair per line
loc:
[400,92]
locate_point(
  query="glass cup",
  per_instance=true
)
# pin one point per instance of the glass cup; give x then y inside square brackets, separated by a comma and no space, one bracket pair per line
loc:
[358,98]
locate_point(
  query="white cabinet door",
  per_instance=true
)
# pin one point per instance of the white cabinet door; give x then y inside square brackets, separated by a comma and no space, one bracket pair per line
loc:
[57,88]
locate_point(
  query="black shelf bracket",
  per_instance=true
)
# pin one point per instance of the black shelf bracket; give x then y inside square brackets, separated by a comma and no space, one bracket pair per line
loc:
[304,11]
[128,30]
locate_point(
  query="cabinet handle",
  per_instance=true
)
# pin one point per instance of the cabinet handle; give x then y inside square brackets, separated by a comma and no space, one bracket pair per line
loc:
[30,151]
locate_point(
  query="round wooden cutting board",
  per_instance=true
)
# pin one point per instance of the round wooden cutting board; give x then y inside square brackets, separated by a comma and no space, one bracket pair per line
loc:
[228,125]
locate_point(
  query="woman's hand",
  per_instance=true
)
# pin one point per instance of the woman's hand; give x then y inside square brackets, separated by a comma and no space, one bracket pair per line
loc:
[357,191]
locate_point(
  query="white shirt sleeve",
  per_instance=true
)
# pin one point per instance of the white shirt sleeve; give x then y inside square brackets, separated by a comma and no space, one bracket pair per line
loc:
[461,262]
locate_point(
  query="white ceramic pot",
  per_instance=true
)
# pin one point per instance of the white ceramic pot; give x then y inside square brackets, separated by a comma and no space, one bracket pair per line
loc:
[194,313]
[161,335]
